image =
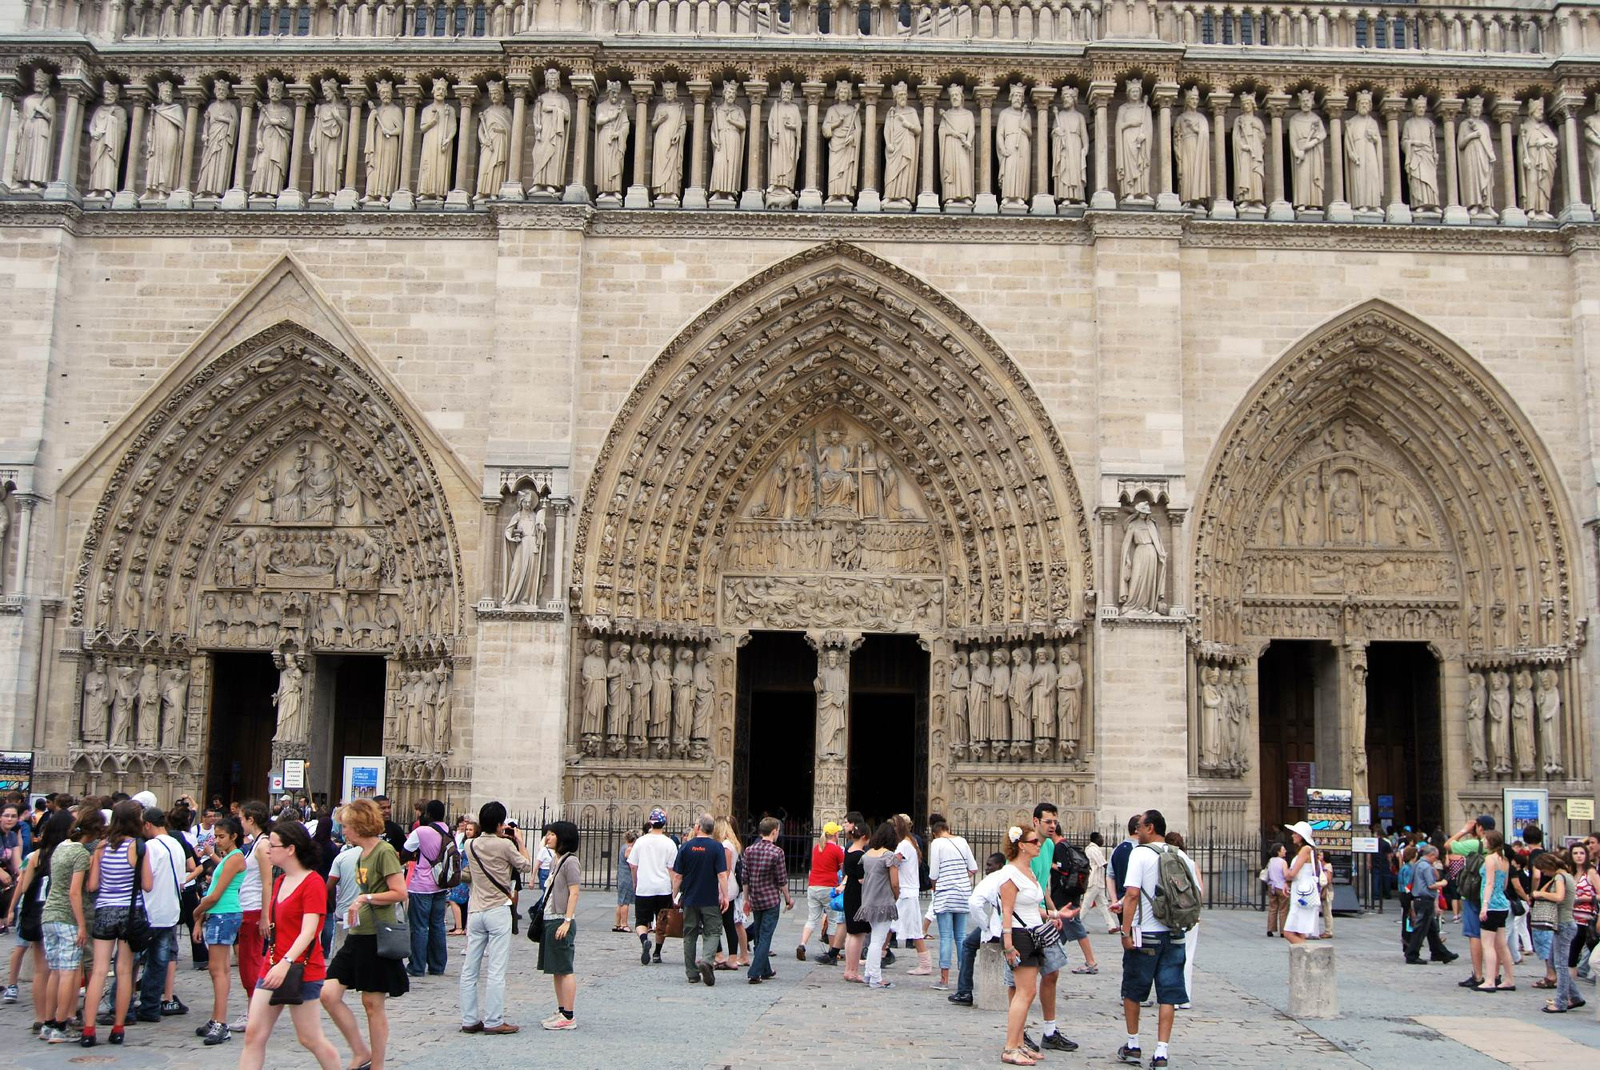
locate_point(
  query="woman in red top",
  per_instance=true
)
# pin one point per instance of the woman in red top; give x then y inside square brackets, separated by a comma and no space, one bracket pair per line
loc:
[826,858]
[299,900]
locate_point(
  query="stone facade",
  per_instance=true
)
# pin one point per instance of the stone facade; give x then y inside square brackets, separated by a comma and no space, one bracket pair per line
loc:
[553,433]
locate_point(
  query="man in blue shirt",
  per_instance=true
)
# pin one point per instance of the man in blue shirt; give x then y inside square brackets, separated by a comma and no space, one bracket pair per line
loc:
[1119,862]
[700,881]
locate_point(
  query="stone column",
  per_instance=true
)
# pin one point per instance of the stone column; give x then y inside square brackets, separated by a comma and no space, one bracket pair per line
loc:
[404,199]
[25,503]
[1568,107]
[8,94]
[558,554]
[638,195]
[1505,113]
[291,196]
[349,194]
[128,196]
[755,195]
[1278,207]
[927,194]
[811,192]
[238,195]
[695,195]
[832,749]
[1100,94]
[460,196]
[1455,214]
[517,89]
[65,187]
[1043,202]
[1164,97]
[577,191]
[1338,210]
[1221,196]
[193,96]
[1394,107]
[986,203]
[868,200]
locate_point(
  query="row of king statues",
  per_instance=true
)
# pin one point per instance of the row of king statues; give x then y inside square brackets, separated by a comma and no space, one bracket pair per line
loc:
[646,700]
[1016,703]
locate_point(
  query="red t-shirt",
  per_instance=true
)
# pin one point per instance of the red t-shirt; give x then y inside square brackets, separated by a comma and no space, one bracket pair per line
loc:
[825,862]
[309,897]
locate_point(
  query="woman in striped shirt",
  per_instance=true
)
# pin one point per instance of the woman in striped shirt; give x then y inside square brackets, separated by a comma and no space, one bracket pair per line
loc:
[951,867]
[117,862]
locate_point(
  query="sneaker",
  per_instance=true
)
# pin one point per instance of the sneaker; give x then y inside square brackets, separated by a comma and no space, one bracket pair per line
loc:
[961,998]
[1057,1042]
[644,951]
[940,986]
[11,993]
[216,1033]
[51,1035]
[173,1006]
[1157,1061]
[1184,1007]
[1470,982]
[240,1024]
[1029,1043]
[656,958]
[800,952]
[1130,1055]
[46,1033]
[560,1021]
[202,1030]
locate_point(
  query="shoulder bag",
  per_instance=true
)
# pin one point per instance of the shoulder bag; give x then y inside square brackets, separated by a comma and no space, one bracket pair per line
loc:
[1543,913]
[136,931]
[394,936]
[292,992]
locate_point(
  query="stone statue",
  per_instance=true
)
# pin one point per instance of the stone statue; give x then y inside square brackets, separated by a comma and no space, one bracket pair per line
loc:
[980,685]
[1475,147]
[405,708]
[1358,722]
[705,693]
[594,696]
[666,159]
[127,688]
[1419,140]
[1069,701]
[1536,156]
[1144,564]
[149,705]
[1548,699]
[1013,148]
[836,485]
[1211,719]
[1070,149]
[382,147]
[36,125]
[643,678]
[1363,148]
[163,143]
[1134,137]
[108,136]
[526,534]
[902,133]
[728,124]
[1500,721]
[326,143]
[437,125]
[1191,148]
[842,127]
[833,691]
[274,132]
[957,141]
[611,126]
[1238,716]
[682,699]
[1021,702]
[291,685]
[1591,142]
[174,704]
[1044,702]
[783,148]
[441,708]
[1249,154]
[1308,137]
[659,730]
[218,136]
[1476,703]
[96,701]
[802,485]
[889,488]
[494,142]
[1000,701]
[1522,720]
[960,726]
[619,681]
[552,126]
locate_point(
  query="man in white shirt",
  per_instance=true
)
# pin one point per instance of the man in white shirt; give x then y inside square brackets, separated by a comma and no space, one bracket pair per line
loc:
[1150,953]
[651,860]
[345,887]
[983,923]
[161,906]
[1096,893]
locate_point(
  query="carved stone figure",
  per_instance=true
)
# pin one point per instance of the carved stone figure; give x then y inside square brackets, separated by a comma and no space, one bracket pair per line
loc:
[108,136]
[526,534]
[494,142]
[96,701]
[611,126]
[1500,721]
[441,709]
[957,141]
[1191,149]
[842,128]
[1238,723]
[1419,140]
[1249,154]
[833,691]
[1358,722]
[326,144]
[981,683]
[1475,146]
[871,491]
[682,699]
[127,689]
[1591,143]
[382,146]
[1363,149]
[1013,148]
[593,671]
[1308,140]
[889,488]
[902,134]
[36,126]
[960,726]
[1000,702]
[728,124]
[218,136]
[1069,701]
[1134,137]
[274,132]
[174,704]
[1021,702]
[836,485]
[291,686]
[1213,729]
[149,705]
[1477,701]
[619,681]
[163,143]
[643,682]
[802,485]
[705,688]
[438,127]
[1522,721]
[552,126]
[1536,156]
[783,148]
[1346,517]
[1548,700]
[666,158]
[1069,153]
[1144,564]
[659,730]
[1044,702]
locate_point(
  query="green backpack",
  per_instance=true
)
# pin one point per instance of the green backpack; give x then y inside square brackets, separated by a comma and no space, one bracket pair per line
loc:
[1469,882]
[1177,900]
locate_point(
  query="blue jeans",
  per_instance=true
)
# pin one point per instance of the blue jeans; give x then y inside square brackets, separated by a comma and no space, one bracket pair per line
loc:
[952,930]
[426,913]
[766,923]
[154,978]
[969,958]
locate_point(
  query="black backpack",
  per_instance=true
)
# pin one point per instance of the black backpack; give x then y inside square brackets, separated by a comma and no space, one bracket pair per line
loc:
[1069,874]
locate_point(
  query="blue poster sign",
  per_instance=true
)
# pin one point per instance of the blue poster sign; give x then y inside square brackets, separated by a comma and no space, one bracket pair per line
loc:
[364,776]
[1523,811]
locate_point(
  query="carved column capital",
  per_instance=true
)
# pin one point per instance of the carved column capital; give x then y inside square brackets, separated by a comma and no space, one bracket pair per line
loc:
[192,94]
[643,89]
[1043,95]
[1506,111]
[870,92]
[986,95]
[812,92]
[410,94]
[1448,108]
[300,93]
[1334,104]
[355,94]
[466,92]
[247,94]
[756,90]
[1219,103]
[1569,103]
[1276,104]
[1165,95]
[583,85]
[1394,105]
[517,86]
[699,90]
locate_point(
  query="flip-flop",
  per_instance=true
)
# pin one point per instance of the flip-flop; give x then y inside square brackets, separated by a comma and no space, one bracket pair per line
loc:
[1551,1008]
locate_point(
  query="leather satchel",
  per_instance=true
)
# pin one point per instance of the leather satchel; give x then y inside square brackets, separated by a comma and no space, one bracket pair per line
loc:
[669,922]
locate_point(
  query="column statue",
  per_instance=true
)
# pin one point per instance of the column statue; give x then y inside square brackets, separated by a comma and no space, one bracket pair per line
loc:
[659,730]
[274,132]
[1044,702]
[1418,137]
[552,126]
[639,716]
[783,148]
[594,674]
[218,135]
[494,142]
[1522,720]
[1069,702]
[526,534]
[1537,158]
[619,680]
[438,127]
[36,125]
[902,132]
[1144,564]
[666,158]
[1212,727]
[1591,141]
[1475,146]
[328,127]
[1358,722]
[96,701]
[842,127]
[174,704]
[1070,151]
[833,691]
[163,143]
[1013,147]
[728,124]
[1548,700]
[1000,702]
[1500,721]
[441,709]
[1021,702]
[611,126]
[1238,722]
[1477,701]
[957,141]
[149,705]
[1191,144]
[682,699]
[108,136]
[1363,147]
[960,727]
[705,688]
[382,148]
[1134,137]
[1308,138]
[1249,155]
[981,682]
[127,689]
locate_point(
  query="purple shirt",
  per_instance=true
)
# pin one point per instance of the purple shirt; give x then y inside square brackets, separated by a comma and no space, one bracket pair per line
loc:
[426,842]
[1278,875]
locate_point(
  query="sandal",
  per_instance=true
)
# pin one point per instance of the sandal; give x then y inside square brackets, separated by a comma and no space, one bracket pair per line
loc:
[725,966]
[620,929]
[1017,1057]
[1551,1008]
[1544,984]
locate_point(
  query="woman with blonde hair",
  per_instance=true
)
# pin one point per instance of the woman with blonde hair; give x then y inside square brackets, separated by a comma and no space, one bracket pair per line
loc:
[734,934]
[1020,899]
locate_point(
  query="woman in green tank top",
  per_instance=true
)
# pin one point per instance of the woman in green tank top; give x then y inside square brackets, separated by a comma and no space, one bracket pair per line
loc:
[216,923]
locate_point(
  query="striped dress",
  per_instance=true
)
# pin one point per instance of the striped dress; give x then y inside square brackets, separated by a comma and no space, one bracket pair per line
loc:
[949,864]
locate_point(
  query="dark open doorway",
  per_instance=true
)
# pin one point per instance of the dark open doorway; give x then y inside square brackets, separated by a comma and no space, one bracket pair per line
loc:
[350,690]
[1404,775]
[1296,679]
[775,735]
[889,728]
[243,720]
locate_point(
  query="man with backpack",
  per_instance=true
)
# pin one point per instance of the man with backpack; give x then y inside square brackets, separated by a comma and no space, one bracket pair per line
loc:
[1468,844]
[1161,903]
[1069,879]
[438,869]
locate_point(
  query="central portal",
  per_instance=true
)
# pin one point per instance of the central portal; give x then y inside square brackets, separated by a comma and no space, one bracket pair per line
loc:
[775,740]
[889,728]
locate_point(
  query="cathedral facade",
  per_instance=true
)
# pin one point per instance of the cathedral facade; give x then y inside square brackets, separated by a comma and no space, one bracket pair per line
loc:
[938,407]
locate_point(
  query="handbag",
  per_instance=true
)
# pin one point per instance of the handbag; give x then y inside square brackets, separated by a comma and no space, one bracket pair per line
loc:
[394,937]
[136,931]
[536,918]
[1043,935]
[669,922]
[291,993]
[1543,915]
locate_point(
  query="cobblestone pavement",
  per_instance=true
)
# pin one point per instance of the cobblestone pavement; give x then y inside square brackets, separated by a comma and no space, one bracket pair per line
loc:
[651,1019]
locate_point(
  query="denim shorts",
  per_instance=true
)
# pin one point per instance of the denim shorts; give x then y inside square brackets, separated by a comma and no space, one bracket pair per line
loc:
[310,991]
[1159,961]
[222,929]
[1544,943]
[1471,928]
[1055,957]
[61,950]
[1072,930]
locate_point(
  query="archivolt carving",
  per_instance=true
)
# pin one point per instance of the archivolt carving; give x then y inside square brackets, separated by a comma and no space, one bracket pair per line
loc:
[1432,510]
[834,330]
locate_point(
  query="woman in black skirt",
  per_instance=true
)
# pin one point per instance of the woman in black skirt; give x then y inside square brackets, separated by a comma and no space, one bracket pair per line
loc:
[856,932]
[358,965]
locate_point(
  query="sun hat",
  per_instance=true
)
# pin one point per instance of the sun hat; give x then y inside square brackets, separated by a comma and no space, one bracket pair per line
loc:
[1304,830]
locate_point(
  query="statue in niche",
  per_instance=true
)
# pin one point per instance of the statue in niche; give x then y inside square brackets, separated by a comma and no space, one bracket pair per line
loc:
[1591,143]
[1044,702]
[163,143]
[1385,505]
[1021,702]
[526,534]
[149,705]
[1418,137]
[388,621]
[594,697]
[1358,721]
[728,125]
[1476,704]
[783,148]
[682,699]
[1475,148]
[1069,701]
[1134,136]
[619,680]
[1191,148]
[96,701]
[1522,720]
[1070,151]
[957,140]
[441,708]
[1249,154]
[802,484]
[659,730]
[382,146]
[639,717]
[132,604]
[1346,518]
[1144,564]
[1013,148]
[218,135]
[1363,147]
[438,127]
[126,691]
[108,136]
[1500,721]
[320,494]
[1238,718]
[274,133]
[291,687]
[405,689]
[836,486]
[902,133]
[174,704]
[36,125]
[705,687]
[842,127]
[960,727]
[1536,156]
[494,142]
[1308,137]
[666,158]
[980,688]
[328,125]
[552,125]
[1211,719]
[1548,700]
[833,690]
[999,702]
[611,126]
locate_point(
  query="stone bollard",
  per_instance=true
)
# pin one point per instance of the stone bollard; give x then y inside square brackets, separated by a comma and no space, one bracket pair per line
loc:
[1313,983]
[989,991]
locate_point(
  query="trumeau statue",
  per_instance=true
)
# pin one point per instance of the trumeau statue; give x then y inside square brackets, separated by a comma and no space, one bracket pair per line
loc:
[842,128]
[783,148]
[437,124]
[833,688]
[1363,147]
[1013,148]
[1477,702]
[1070,151]
[1069,702]
[594,670]
[611,126]
[1500,721]
[1191,148]
[1475,146]
[1144,564]
[1249,154]
[36,124]
[163,143]
[291,691]
[1522,726]
[1419,140]
[218,136]
[1134,137]
[382,145]
[326,143]
[957,139]
[108,135]
[96,701]
[526,534]
[902,133]
[666,158]
[1536,156]
[1548,699]
[494,142]
[552,126]
[1358,721]
[728,124]
[1308,139]
[274,131]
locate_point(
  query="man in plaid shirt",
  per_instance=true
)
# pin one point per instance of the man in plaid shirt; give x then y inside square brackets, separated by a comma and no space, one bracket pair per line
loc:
[766,880]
